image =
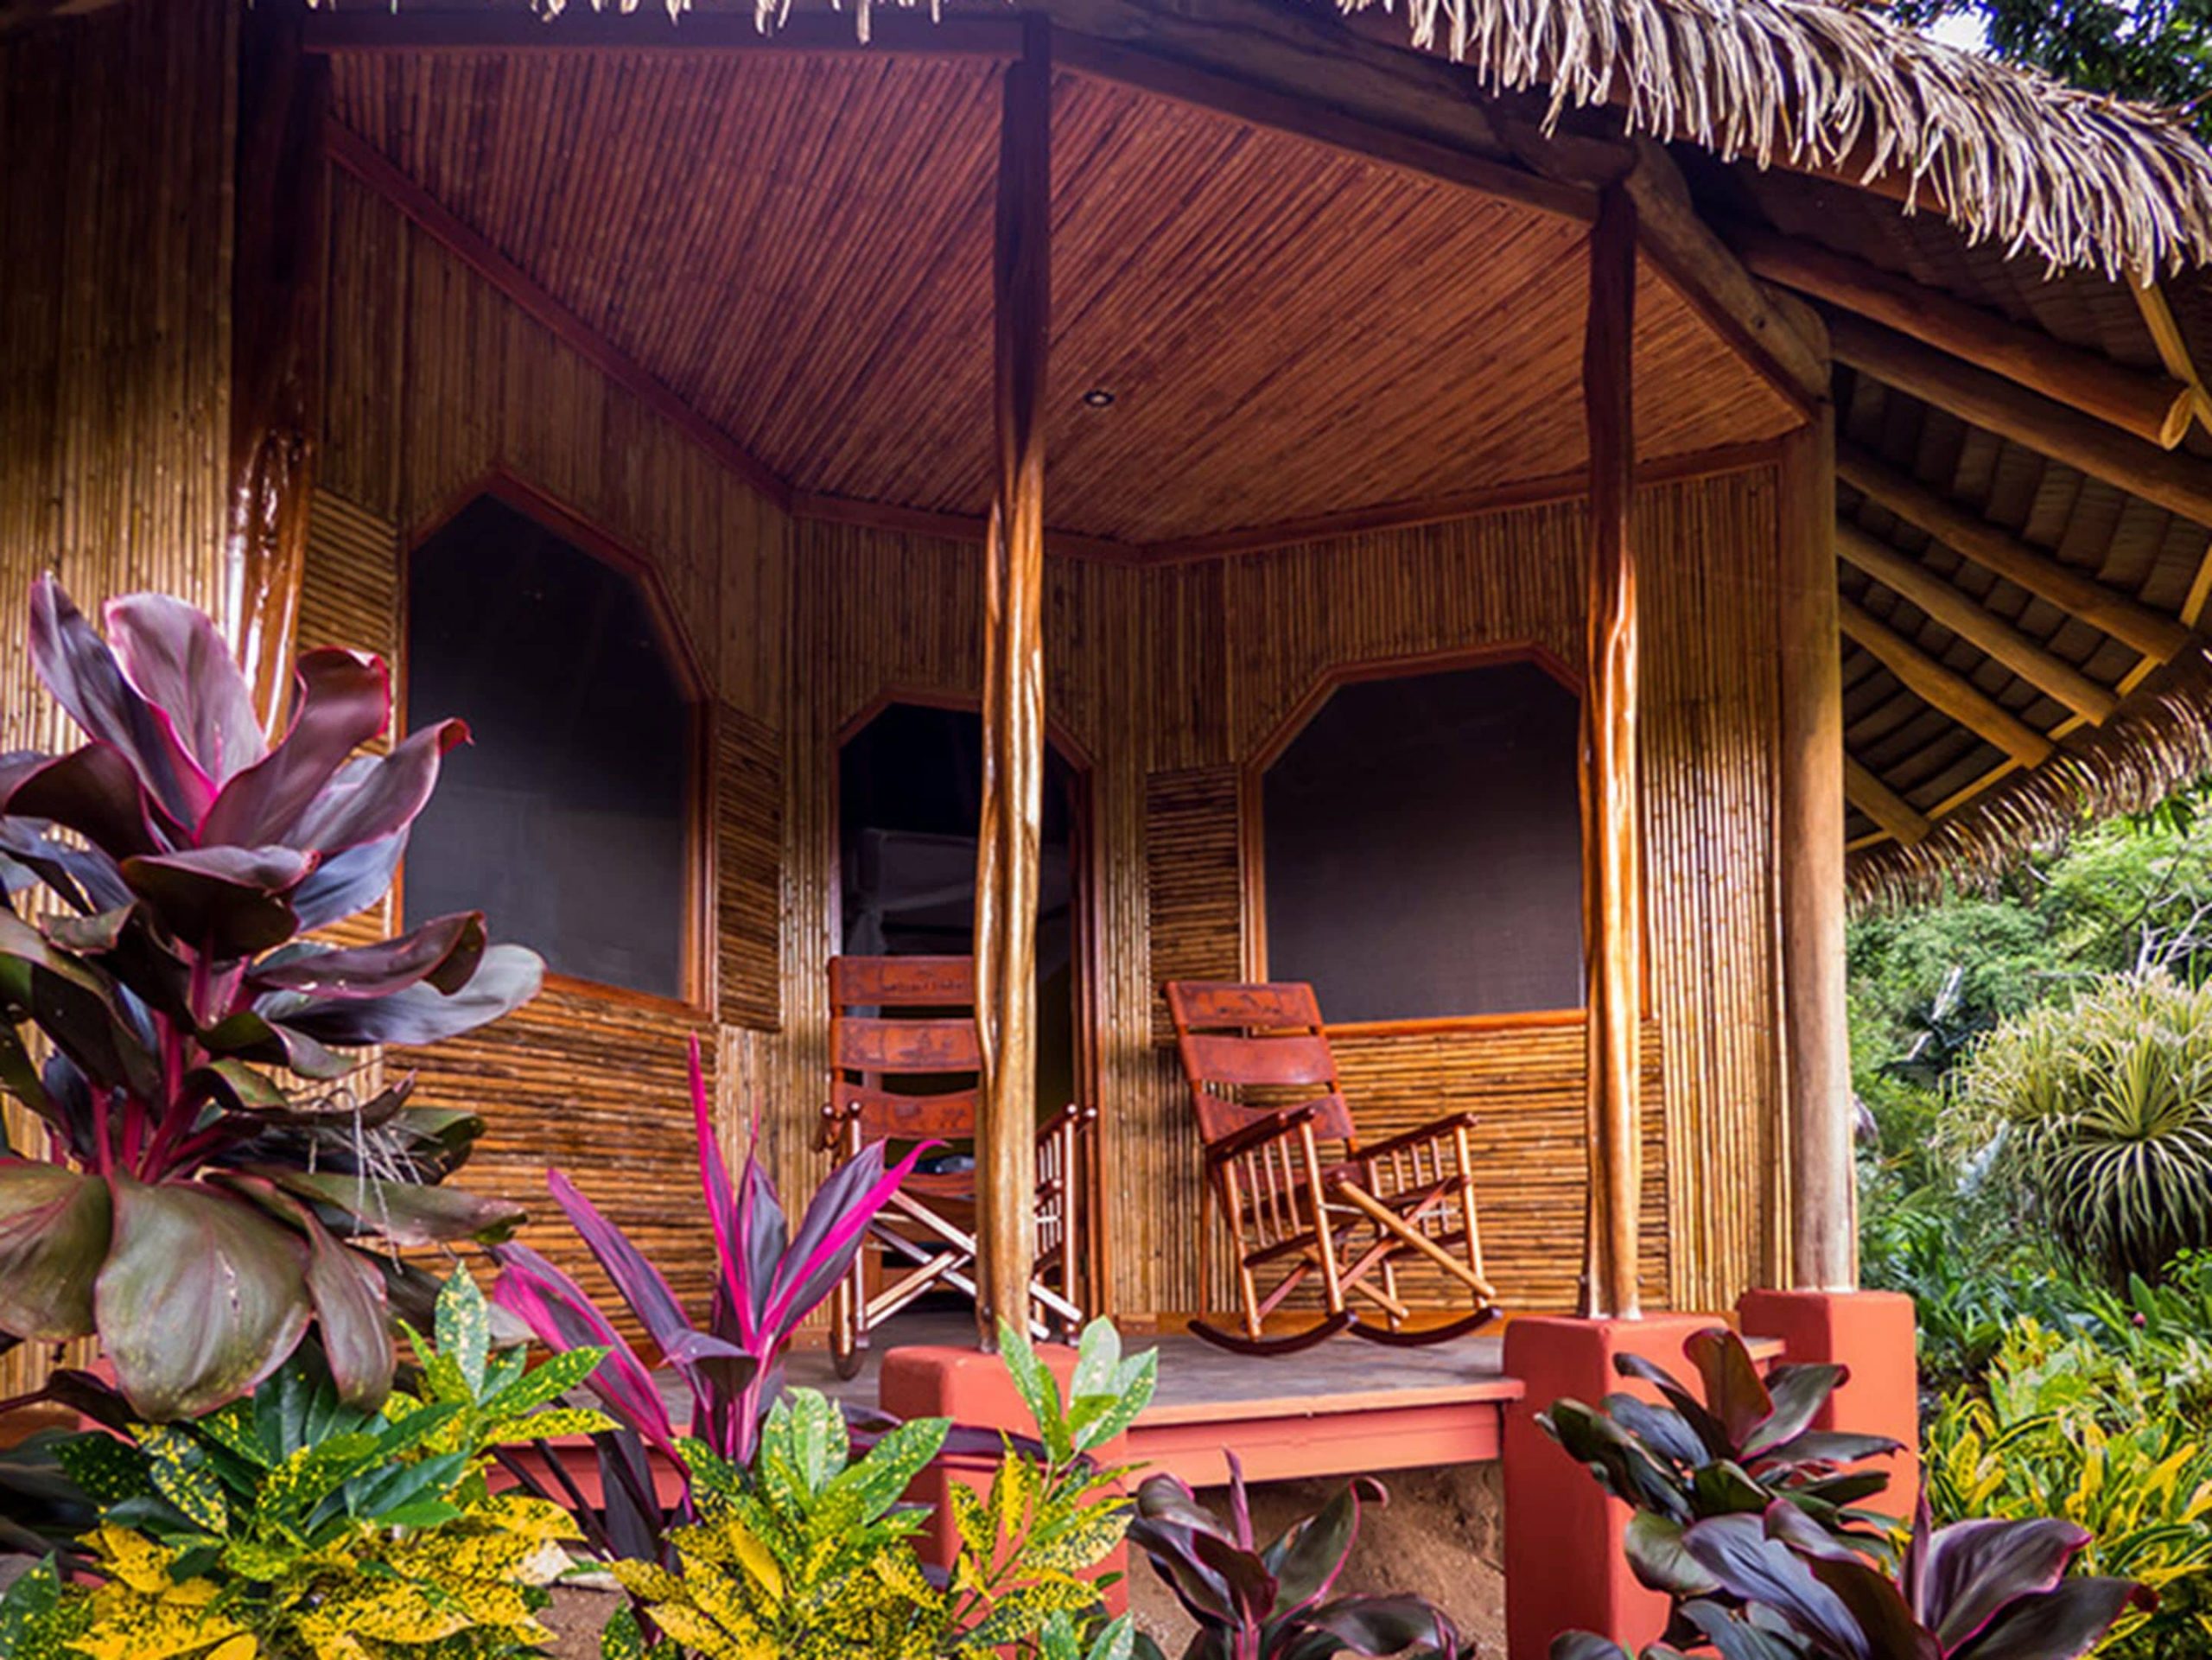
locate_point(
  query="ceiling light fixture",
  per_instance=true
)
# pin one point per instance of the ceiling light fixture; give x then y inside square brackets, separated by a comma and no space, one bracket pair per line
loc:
[1099,398]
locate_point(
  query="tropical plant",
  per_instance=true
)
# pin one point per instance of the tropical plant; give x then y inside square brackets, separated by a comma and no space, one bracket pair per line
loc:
[293,1526]
[212,1172]
[2101,1112]
[1749,1445]
[1273,1602]
[2070,1430]
[767,1280]
[810,1554]
[1980,1590]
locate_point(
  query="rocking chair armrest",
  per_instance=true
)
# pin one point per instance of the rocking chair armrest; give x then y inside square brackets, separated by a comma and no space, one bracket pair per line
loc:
[1259,1132]
[826,1140]
[1435,1130]
[1076,1116]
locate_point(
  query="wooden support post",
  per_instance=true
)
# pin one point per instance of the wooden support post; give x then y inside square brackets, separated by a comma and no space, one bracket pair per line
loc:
[1964,616]
[1014,699]
[1822,1194]
[2156,407]
[276,345]
[2174,479]
[1612,901]
[2126,620]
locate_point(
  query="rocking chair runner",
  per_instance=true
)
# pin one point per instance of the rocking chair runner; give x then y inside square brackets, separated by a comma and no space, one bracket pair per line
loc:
[905,1067]
[1351,1220]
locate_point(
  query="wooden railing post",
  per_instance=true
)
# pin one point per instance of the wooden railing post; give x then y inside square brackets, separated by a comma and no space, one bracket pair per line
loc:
[1823,1189]
[276,345]
[1612,899]
[1014,699]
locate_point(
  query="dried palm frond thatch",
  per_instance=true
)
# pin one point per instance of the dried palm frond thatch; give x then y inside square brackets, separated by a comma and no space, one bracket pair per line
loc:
[2159,739]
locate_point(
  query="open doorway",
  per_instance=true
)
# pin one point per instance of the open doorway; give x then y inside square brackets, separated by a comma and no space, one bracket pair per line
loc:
[909,797]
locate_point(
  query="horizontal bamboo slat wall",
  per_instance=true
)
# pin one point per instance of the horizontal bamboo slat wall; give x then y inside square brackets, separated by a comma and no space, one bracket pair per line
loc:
[436,383]
[117,131]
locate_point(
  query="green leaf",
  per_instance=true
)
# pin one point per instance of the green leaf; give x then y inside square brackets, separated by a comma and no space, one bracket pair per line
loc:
[620,1638]
[1100,1418]
[1038,1390]
[182,1475]
[464,1328]
[108,1470]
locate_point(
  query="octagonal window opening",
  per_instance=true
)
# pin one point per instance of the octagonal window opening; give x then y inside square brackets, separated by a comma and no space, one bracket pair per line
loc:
[569,820]
[1421,847]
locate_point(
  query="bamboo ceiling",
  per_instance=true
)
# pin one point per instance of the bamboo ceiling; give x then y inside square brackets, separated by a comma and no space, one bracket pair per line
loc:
[798,246]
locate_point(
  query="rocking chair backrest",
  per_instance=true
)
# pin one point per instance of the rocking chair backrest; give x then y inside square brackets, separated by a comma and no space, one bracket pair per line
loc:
[897,1019]
[1250,1050]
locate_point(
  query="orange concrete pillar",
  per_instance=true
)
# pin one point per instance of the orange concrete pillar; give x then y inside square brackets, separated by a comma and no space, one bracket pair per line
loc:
[974,1389]
[1564,1570]
[1872,1334]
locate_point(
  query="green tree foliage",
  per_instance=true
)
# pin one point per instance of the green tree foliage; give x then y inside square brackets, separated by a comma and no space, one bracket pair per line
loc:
[2154,51]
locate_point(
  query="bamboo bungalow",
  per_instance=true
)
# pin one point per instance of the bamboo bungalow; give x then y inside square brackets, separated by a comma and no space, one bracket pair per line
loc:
[1510,515]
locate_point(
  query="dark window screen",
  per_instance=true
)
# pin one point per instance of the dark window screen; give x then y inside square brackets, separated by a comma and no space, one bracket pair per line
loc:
[1424,847]
[566,821]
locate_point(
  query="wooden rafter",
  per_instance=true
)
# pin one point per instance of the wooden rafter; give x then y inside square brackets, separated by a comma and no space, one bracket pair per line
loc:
[1883,804]
[2173,479]
[2173,350]
[649,32]
[1964,616]
[2153,407]
[1943,687]
[2126,618]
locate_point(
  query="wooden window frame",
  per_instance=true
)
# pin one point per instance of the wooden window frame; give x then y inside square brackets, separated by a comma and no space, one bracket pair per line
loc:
[695,963]
[1251,826]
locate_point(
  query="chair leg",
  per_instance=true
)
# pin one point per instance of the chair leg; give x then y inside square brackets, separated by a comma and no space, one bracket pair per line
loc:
[848,1318]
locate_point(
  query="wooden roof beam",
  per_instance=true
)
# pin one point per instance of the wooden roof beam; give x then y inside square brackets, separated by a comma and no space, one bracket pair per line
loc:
[2174,479]
[1944,689]
[1964,616]
[1883,804]
[701,34]
[2124,618]
[2155,408]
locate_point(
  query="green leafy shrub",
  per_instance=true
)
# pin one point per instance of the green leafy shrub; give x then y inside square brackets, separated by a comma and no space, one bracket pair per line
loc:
[808,1553]
[2100,1113]
[293,1526]
[1971,1283]
[2069,1429]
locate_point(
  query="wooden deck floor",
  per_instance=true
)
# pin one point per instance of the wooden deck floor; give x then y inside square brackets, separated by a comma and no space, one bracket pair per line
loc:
[1343,1407]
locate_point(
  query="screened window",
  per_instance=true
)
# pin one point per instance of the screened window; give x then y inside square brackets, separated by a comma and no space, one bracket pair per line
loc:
[1422,843]
[568,820]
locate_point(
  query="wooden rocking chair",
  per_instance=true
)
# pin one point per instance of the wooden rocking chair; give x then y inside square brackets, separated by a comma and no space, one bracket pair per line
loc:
[1263,1083]
[905,1067]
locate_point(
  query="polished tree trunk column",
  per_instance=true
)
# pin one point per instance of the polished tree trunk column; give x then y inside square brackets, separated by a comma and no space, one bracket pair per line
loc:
[1013,701]
[1612,899]
[1822,1197]
[276,343]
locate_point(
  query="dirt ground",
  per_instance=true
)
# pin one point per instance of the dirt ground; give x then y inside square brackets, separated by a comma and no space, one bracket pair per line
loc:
[1438,1535]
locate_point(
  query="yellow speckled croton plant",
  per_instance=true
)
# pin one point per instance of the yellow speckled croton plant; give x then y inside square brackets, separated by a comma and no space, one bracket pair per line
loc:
[290,1526]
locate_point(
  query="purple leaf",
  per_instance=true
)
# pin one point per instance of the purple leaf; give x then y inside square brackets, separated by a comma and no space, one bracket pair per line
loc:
[227,902]
[641,1284]
[405,1212]
[822,1254]
[341,700]
[1970,1570]
[93,790]
[1798,1393]
[376,796]
[85,679]
[201,1298]
[1736,1550]
[506,976]
[347,883]
[556,1309]
[1318,1551]
[1376,1626]
[1734,1392]
[441,953]
[180,665]
[347,1291]
[2066,1621]
[54,1237]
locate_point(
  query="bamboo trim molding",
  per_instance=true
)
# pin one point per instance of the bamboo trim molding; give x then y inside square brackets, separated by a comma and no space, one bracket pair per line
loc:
[349,151]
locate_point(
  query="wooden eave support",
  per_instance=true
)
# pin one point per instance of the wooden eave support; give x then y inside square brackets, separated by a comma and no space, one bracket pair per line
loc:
[1612,875]
[425,33]
[1964,616]
[2126,620]
[2152,407]
[1014,698]
[2173,479]
[1883,804]
[1944,687]
[2173,350]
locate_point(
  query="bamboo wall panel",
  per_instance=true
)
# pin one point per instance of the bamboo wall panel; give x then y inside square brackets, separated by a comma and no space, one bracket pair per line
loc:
[116,130]
[748,867]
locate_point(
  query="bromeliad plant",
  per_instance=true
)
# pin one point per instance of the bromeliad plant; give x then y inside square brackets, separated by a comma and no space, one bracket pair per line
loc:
[1982,1590]
[291,1526]
[212,1175]
[768,1279]
[1748,1444]
[1272,1602]
[809,1553]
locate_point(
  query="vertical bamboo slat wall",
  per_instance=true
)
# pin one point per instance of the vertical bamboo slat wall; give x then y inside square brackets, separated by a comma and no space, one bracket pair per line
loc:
[115,328]
[436,382]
